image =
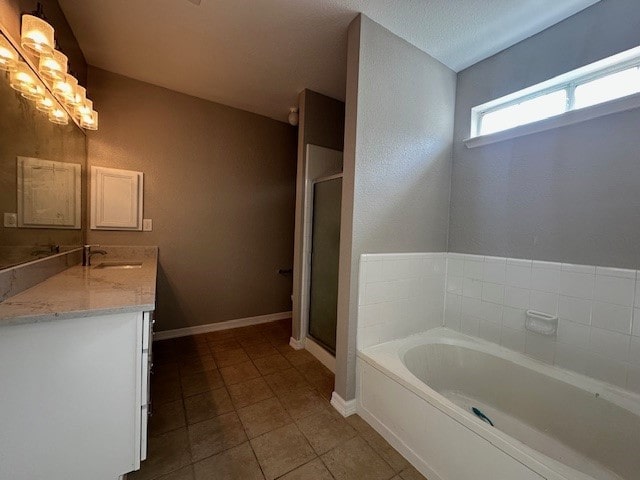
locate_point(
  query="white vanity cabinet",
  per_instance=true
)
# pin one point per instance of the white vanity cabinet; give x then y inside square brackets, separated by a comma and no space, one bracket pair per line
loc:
[74,397]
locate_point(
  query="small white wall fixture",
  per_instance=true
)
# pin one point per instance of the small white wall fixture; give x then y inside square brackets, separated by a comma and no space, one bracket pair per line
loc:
[48,194]
[116,199]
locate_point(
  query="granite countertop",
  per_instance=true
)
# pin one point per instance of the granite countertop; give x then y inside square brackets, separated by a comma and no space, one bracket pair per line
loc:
[88,291]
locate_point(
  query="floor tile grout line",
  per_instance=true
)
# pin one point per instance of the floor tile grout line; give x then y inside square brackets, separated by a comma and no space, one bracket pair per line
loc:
[257,460]
[326,466]
[279,346]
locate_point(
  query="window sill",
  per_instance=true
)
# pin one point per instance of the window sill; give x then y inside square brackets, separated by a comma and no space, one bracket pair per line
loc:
[568,118]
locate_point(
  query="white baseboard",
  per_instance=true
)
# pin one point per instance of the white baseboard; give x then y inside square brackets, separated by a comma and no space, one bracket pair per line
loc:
[320,353]
[344,407]
[296,344]
[214,327]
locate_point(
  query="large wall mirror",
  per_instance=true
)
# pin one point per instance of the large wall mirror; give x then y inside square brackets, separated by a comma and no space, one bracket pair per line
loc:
[43,171]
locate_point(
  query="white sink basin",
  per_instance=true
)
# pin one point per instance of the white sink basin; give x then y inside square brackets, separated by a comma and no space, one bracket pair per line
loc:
[120,265]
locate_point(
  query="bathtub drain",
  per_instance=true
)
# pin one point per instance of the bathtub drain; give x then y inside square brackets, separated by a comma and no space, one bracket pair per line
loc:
[481,415]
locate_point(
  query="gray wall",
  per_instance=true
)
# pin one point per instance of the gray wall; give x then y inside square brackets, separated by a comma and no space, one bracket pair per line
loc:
[321,123]
[220,189]
[569,194]
[397,164]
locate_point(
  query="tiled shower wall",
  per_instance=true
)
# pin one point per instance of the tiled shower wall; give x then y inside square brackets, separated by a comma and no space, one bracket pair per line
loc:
[399,295]
[487,297]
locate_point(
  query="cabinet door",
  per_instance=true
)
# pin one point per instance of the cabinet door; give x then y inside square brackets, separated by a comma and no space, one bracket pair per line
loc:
[116,199]
[48,194]
[68,394]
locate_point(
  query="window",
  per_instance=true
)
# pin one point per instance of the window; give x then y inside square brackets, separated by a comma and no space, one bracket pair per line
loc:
[558,101]
[608,87]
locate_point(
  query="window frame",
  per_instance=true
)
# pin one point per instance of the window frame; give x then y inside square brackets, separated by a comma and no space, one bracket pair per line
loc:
[566,82]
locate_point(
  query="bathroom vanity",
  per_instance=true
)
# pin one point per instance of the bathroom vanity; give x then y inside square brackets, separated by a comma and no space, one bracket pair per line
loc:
[75,360]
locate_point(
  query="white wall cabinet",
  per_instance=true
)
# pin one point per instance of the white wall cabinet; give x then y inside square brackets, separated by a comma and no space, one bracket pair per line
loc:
[116,199]
[74,397]
[48,194]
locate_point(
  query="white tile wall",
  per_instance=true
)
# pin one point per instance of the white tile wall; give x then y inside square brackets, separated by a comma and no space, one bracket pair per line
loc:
[402,294]
[598,328]
[598,307]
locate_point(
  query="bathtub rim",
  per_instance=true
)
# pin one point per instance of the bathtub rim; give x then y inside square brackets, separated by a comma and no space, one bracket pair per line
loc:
[388,358]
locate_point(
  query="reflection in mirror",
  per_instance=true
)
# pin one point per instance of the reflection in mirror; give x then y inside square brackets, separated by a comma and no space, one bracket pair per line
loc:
[27,132]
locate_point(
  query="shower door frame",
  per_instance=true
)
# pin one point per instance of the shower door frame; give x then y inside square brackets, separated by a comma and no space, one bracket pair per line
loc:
[306,311]
[332,166]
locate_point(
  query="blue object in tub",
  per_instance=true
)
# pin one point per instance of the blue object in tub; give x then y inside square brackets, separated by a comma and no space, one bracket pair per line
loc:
[481,416]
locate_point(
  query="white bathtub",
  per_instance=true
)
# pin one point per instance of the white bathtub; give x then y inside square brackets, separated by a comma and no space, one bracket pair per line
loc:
[549,423]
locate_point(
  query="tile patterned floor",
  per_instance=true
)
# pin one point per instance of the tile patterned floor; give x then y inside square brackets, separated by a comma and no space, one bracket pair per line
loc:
[242,404]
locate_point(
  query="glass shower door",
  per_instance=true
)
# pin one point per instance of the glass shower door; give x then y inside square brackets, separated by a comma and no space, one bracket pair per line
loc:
[325,249]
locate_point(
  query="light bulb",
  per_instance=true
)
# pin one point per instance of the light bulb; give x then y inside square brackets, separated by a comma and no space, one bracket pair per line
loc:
[22,78]
[90,121]
[293,116]
[58,116]
[53,67]
[46,103]
[84,109]
[65,89]
[37,35]
[79,97]
[35,92]
[8,56]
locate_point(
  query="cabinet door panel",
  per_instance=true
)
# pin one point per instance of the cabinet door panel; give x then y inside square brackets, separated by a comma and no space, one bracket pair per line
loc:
[116,199]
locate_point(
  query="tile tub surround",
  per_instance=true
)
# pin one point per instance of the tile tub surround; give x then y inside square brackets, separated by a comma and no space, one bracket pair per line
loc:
[598,309]
[86,291]
[400,294]
[216,417]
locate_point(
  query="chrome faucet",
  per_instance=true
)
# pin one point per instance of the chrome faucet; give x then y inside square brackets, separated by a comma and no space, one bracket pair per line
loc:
[87,253]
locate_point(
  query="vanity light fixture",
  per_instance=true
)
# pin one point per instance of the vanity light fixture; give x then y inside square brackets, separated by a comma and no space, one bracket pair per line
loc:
[90,121]
[46,103]
[65,89]
[79,97]
[38,37]
[36,34]
[68,92]
[58,116]
[84,109]
[53,67]
[35,92]
[8,56]
[22,79]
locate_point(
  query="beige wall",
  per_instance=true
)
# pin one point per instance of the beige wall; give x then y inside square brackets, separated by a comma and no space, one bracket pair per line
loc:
[321,123]
[397,164]
[220,189]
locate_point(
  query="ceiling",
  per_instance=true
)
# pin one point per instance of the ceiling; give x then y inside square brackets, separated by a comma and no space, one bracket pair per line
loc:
[258,54]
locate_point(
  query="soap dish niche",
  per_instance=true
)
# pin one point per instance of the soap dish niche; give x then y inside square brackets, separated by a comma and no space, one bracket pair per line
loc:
[541,323]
